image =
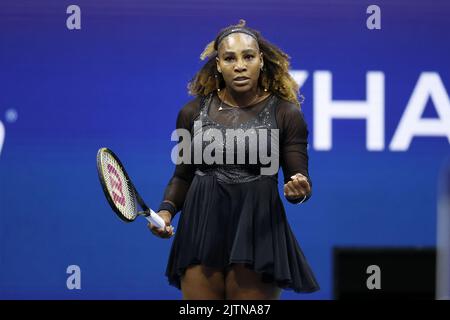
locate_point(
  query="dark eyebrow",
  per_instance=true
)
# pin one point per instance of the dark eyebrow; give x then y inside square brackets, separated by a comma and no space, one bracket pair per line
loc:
[243,51]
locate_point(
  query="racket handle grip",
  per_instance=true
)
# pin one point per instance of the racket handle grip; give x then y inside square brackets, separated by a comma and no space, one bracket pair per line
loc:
[156,219]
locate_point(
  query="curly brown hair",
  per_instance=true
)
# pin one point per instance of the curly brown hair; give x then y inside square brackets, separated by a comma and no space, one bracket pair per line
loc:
[274,77]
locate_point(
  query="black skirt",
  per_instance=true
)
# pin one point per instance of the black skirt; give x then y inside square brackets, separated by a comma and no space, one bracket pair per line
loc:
[222,224]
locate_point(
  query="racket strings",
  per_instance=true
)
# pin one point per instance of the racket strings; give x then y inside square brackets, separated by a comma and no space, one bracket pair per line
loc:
[118,186]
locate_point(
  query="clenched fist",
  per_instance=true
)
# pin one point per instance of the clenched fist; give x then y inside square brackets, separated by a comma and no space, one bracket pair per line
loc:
[298,187]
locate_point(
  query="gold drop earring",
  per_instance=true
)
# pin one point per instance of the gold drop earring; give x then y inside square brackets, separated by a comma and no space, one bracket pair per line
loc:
[262,71]
[217,81]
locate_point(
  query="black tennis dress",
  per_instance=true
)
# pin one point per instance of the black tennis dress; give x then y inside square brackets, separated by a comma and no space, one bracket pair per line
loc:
[231,212]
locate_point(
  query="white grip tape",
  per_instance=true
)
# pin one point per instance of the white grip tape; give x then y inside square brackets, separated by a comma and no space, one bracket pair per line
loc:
[156,219]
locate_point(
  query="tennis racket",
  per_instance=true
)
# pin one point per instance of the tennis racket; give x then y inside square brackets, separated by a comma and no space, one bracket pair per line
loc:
[120,191]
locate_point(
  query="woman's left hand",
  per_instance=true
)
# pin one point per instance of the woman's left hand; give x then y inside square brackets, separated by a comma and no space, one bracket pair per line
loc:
[298,187]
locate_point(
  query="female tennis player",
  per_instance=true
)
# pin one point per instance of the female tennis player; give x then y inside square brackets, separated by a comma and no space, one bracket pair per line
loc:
[233,240]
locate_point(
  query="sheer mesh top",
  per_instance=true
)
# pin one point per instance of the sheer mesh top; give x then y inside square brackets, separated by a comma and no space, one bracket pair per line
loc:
[293,138]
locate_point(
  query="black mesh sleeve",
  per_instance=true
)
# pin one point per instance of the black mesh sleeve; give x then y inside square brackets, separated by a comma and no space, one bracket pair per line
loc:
[293,143]
[180,182]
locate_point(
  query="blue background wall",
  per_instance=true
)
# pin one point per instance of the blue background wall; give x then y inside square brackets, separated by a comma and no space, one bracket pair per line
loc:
[120,81]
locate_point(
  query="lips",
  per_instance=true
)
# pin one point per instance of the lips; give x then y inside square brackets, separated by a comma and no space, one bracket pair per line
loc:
[241,81]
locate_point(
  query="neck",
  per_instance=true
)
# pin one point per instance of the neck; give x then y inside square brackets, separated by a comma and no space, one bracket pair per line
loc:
[240,98]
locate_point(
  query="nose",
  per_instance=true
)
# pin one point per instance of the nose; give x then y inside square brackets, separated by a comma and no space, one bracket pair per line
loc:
[240,66]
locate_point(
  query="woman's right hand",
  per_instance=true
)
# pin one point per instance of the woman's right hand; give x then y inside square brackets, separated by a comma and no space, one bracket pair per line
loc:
[168,231]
